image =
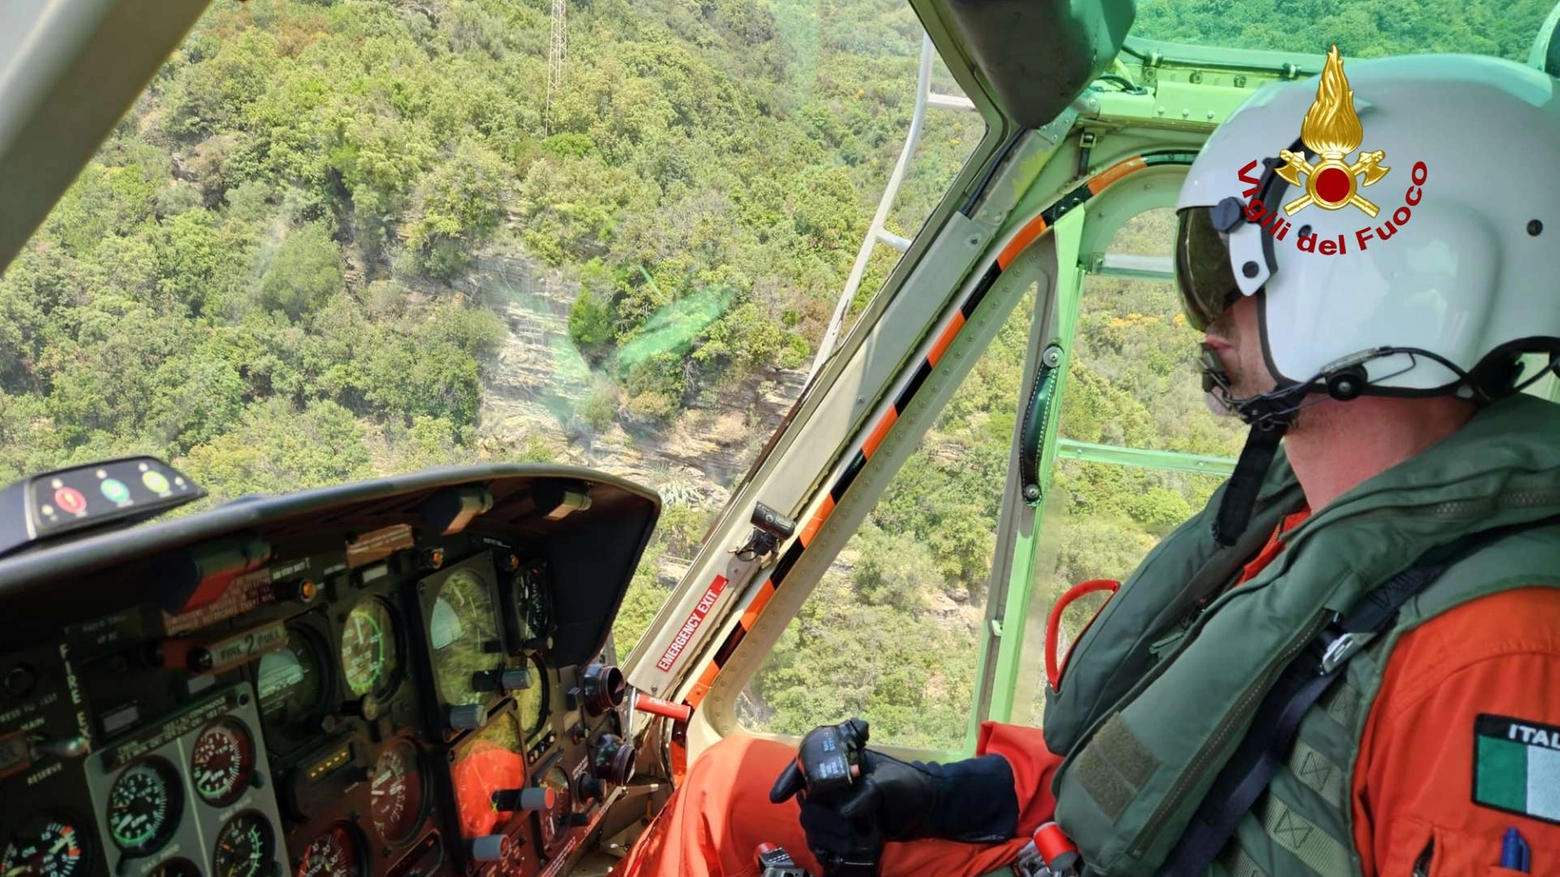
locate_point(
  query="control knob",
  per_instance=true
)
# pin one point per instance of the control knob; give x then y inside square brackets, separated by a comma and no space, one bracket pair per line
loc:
[368,708]
[613,760]
[467,716]
[530,798]
[510,679]
[603,688]
[489,847]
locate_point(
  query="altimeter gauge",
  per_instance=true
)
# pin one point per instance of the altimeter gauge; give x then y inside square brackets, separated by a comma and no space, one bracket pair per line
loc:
[396,792]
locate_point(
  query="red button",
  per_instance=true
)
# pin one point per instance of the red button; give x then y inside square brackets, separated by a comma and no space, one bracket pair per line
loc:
[69,499]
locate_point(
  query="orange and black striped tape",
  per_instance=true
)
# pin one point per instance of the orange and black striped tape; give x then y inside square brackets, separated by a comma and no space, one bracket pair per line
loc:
[1020,241]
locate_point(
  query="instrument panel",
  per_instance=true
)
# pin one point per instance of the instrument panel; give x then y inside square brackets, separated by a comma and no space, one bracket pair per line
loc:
[409,678]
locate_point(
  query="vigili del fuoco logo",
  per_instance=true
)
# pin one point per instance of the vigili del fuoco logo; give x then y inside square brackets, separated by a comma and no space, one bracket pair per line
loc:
[1331,130]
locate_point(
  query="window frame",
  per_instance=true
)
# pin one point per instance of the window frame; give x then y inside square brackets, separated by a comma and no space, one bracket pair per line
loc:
[1030,172]
[1082,248]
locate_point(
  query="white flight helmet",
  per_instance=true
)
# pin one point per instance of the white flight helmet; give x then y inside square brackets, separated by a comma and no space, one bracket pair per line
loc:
[1456,273]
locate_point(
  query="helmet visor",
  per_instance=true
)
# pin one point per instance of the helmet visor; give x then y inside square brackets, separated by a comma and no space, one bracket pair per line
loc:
[1202,268]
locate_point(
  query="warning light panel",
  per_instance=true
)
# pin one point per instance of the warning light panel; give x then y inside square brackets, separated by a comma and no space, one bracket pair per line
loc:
[113,492]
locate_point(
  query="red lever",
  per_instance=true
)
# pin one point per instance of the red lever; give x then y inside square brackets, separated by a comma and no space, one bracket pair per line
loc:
[1049,851]
[1052,843]
[677,712]
[1053,625]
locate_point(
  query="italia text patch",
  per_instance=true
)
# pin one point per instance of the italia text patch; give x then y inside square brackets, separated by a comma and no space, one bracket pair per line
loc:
[1516,766]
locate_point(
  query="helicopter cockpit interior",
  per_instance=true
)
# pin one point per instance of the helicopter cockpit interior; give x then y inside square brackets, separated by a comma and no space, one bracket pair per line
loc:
[207,672]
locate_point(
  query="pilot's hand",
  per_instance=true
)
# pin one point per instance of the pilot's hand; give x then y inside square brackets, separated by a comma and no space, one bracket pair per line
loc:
[971,800]
[896,796]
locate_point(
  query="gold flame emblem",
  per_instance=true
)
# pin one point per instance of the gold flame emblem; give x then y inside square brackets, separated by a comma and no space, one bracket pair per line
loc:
[1332,130]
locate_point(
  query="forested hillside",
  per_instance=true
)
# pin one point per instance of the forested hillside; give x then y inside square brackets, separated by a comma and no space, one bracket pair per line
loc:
[265,247]
[290,266]
[1360,29]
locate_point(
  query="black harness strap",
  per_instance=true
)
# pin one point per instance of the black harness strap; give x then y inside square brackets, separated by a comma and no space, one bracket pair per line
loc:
[1267,743]
[1240,494]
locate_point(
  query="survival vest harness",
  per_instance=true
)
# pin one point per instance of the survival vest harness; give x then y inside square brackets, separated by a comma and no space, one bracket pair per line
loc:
[1161,690]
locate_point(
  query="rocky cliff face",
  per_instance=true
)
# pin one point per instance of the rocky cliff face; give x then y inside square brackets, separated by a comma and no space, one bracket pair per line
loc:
[534,392]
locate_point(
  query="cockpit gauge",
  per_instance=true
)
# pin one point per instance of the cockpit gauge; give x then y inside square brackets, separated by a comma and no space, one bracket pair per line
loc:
[144,806]
[531,702]
[246,847]
[463,633]
[336,853]
[396,792]
[555,819]
[222,762]
[370,657]
[47,849]
[532,603]
[490,761]
[292,682]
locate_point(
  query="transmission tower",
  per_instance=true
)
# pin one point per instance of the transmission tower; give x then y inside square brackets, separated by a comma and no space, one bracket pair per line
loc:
[555,56]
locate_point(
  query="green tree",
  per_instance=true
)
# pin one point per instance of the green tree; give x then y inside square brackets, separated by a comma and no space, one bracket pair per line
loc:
[455,209]
[302,273]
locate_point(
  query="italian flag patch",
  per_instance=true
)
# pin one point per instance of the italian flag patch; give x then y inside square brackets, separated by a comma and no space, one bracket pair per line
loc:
[1516,766]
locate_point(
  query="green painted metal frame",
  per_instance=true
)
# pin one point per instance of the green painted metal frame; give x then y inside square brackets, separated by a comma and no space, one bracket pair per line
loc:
[1172,461]
[1068,235]
[1178,113]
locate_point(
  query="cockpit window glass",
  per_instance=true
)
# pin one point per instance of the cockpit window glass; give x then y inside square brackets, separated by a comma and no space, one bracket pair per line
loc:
[1132,376]
[337,240]
[1504,28]
[892,632]
[1139,450]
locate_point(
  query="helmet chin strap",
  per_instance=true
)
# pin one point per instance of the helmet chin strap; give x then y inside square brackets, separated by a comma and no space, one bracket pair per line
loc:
[1269,415]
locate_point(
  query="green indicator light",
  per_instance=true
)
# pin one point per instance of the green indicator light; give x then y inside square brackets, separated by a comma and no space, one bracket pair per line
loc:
[156,482]
[114,490]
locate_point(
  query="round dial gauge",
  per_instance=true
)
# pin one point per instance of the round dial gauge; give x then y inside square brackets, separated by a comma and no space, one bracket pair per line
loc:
[488,762]
[332,854]
[531,703]
[292,681]
[143,806]
[222,762]
[463,631]
[50,849]
[555,820]
[396,792]
[369,656]
[246,847]
[531,601]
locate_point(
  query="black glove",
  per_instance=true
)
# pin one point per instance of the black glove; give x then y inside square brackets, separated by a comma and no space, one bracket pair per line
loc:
[971,801]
